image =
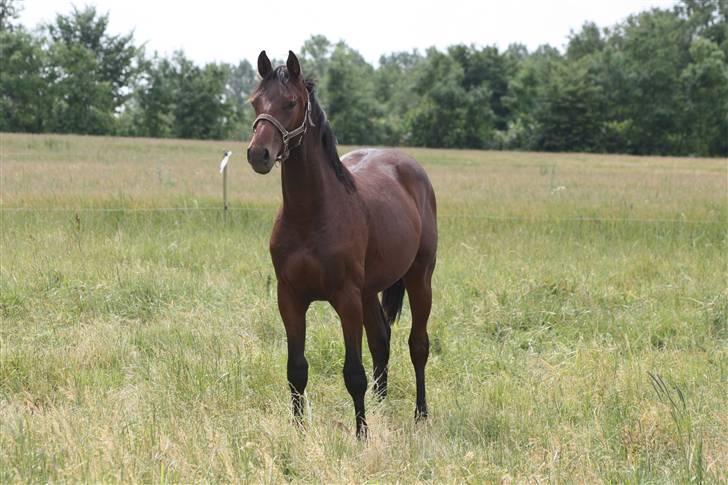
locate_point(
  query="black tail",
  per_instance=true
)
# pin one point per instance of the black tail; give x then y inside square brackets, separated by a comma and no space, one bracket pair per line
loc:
[392,299]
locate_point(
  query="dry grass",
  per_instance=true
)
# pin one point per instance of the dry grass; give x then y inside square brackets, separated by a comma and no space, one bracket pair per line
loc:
[74,170]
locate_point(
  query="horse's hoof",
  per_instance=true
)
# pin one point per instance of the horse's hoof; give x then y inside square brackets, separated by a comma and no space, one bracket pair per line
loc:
[420,415]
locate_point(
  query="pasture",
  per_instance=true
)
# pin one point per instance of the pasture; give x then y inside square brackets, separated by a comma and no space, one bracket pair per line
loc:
[579,330]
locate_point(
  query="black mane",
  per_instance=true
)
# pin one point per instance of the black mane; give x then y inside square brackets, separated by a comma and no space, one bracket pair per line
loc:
[323,127]
[328,139]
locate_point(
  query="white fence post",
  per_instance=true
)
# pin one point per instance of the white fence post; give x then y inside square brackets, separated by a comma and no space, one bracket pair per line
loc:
[224,172]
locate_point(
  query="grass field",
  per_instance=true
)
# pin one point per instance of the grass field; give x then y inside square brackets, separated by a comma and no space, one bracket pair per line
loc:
[145,346]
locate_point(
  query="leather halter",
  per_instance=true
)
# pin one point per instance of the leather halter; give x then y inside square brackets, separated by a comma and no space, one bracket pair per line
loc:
[286,135]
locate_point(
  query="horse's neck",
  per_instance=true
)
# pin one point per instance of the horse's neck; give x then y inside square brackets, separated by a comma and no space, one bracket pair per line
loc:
[308,183]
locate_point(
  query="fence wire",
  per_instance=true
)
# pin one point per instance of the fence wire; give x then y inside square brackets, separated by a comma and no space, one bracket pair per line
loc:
[489,217]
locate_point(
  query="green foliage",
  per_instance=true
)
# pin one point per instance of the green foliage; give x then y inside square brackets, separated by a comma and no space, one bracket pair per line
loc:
[89,72]
[84,103]
[9,11]
[154,98]
[586,42]
[654,83]
[315,54]
[242,80]
[395,93]
[570,110]
[654,47]
[200,108]
[177,98]
[454,107]
[705,88]
[24,97]
[349,97]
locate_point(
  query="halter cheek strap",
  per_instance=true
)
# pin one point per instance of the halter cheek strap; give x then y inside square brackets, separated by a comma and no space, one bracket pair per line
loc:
[286,135]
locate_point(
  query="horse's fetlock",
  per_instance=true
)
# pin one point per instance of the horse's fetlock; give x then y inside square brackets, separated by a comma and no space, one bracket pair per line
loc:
[298,376]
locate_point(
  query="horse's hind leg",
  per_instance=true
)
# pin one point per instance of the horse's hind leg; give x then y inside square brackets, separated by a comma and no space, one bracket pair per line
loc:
[377,330]
[417,281]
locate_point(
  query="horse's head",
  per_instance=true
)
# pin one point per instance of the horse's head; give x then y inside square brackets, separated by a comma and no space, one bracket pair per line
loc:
[282,108]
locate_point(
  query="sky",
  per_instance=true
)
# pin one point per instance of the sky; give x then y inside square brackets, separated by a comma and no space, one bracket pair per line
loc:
[229,31]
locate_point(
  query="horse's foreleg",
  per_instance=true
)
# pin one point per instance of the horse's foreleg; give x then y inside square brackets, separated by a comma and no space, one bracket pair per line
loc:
[293,312]
[377,330]
[348,305]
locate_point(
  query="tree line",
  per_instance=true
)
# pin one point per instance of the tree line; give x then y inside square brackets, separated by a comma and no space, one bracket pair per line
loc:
[656,83]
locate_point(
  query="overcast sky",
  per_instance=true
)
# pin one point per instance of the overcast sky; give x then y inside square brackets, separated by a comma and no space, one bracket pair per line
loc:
[217,30]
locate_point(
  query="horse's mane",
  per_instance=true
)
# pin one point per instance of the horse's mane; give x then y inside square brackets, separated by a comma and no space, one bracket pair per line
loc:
[328,139]
[319,118]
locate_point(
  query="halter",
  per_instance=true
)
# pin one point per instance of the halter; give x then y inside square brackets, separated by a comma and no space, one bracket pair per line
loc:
[285,134]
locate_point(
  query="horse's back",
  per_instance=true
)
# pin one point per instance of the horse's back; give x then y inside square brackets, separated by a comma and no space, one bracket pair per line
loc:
[380,171]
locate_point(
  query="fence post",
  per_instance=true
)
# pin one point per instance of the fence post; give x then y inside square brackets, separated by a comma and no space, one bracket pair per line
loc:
[224,171]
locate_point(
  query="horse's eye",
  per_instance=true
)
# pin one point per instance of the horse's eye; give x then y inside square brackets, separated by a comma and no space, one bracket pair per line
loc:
[291,104]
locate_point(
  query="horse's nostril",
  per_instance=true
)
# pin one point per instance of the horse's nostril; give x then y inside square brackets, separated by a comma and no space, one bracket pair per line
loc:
[249,153]
[266,155]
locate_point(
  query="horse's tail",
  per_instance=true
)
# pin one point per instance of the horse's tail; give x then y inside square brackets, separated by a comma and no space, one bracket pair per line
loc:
[392,299]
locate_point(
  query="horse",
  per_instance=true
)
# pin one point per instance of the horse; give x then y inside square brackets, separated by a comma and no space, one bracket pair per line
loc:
[348,229]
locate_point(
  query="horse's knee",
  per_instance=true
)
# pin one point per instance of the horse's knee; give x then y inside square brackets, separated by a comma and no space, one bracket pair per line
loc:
[298,375]
[355,378]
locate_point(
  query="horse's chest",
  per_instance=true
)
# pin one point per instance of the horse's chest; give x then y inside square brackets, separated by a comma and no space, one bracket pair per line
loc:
[308,270]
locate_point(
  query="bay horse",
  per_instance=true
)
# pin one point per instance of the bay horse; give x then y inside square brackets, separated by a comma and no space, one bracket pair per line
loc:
[347,230]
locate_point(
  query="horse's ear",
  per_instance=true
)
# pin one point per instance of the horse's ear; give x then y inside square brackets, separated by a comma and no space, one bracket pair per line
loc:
[294,68]
[264,67]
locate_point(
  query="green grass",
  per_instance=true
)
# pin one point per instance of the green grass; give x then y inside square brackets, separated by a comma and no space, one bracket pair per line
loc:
[146,345]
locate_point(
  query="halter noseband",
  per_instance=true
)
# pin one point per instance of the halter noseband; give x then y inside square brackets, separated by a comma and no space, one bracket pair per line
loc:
[285,134]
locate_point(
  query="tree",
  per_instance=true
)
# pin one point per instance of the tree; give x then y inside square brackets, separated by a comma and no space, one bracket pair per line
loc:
[525,94]
[449,114]
[201,107]
[394,91]
[154,99]
[588,41]
[315,54]
[707,19]
[239,86]
[24,97]
[569,114]
[82,102]
[654,48]
[351,105]
[486,69]
[90,72]
[9,11]
[115,54]
[705,84]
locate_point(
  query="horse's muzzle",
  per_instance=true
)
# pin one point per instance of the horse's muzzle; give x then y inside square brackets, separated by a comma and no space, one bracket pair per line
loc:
[260,159]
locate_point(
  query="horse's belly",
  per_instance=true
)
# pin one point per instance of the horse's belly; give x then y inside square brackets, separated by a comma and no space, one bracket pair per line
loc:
[393,244]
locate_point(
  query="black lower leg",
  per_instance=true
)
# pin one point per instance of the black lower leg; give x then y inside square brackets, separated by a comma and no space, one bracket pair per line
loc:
[380,356]
[297,380]
[356,383]
[378,336]
[380,381]
[419,352]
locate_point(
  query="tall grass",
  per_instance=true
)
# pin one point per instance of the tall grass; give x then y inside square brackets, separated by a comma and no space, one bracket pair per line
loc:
[578,335]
